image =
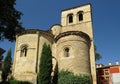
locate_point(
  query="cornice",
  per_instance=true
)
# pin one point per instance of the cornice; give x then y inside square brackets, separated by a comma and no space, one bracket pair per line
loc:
[46,34]
[77,33]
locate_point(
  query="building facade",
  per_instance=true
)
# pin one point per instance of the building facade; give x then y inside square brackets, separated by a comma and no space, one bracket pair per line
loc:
[109,74]
[71,44]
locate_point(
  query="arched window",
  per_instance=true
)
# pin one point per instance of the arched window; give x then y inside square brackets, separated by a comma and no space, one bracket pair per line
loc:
[24,50]
[67,52]
[80,15]
[70,18]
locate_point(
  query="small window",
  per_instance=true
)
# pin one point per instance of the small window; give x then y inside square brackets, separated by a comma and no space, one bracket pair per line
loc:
[80,15]
[67,53]
[106,72]
[70,18]
[24,50]
[107,79]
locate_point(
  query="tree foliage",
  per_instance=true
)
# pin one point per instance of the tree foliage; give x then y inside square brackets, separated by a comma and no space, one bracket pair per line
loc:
[1,57]
[18,82]
[97,55]
[15,82]
[45,66]
[67,77]
[6,69]
[9,20]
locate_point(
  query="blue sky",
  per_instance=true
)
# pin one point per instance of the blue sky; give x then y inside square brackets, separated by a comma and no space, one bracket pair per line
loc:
[42,14]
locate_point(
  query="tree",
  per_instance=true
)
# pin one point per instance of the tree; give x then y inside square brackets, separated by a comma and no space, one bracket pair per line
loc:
[45,66]
[67,77]
[9,20]
[97,55]
[1,57]
[6,69]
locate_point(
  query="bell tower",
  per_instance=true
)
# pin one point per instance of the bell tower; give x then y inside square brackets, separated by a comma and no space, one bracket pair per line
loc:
[79,19]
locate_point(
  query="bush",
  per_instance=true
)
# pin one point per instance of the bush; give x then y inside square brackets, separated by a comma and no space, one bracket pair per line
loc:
[15,82]
[67,77]
[18,82]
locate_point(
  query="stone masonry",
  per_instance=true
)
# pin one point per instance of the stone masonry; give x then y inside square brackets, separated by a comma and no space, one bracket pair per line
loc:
[71,42]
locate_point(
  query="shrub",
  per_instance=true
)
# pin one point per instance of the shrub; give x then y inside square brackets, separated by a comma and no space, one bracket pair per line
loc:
[67,77]
[18,82]
[15,82]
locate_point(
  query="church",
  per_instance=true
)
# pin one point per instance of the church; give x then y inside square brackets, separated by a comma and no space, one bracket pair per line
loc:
[71,42]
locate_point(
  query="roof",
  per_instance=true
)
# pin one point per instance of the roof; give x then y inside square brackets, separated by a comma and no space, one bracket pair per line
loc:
[47,34]
[108,66]
[77,6]
[33,31]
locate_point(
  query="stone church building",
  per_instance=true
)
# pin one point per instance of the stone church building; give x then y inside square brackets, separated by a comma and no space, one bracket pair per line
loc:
[71,44]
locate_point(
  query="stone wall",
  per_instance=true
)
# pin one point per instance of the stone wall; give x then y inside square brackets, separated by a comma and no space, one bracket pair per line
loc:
[25,68]
[78,54]
[72,46]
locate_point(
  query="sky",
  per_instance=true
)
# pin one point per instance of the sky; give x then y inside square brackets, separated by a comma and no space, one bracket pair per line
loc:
[42,14]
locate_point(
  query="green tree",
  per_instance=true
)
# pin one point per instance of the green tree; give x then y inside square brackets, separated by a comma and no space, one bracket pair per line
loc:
[97,55]
[1,57]
[9,20]
[67,77]
[6,66]
[45,66]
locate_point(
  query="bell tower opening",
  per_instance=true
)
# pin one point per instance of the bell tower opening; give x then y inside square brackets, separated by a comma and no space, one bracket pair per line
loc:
[76,15]
[70,18]
[80,16]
